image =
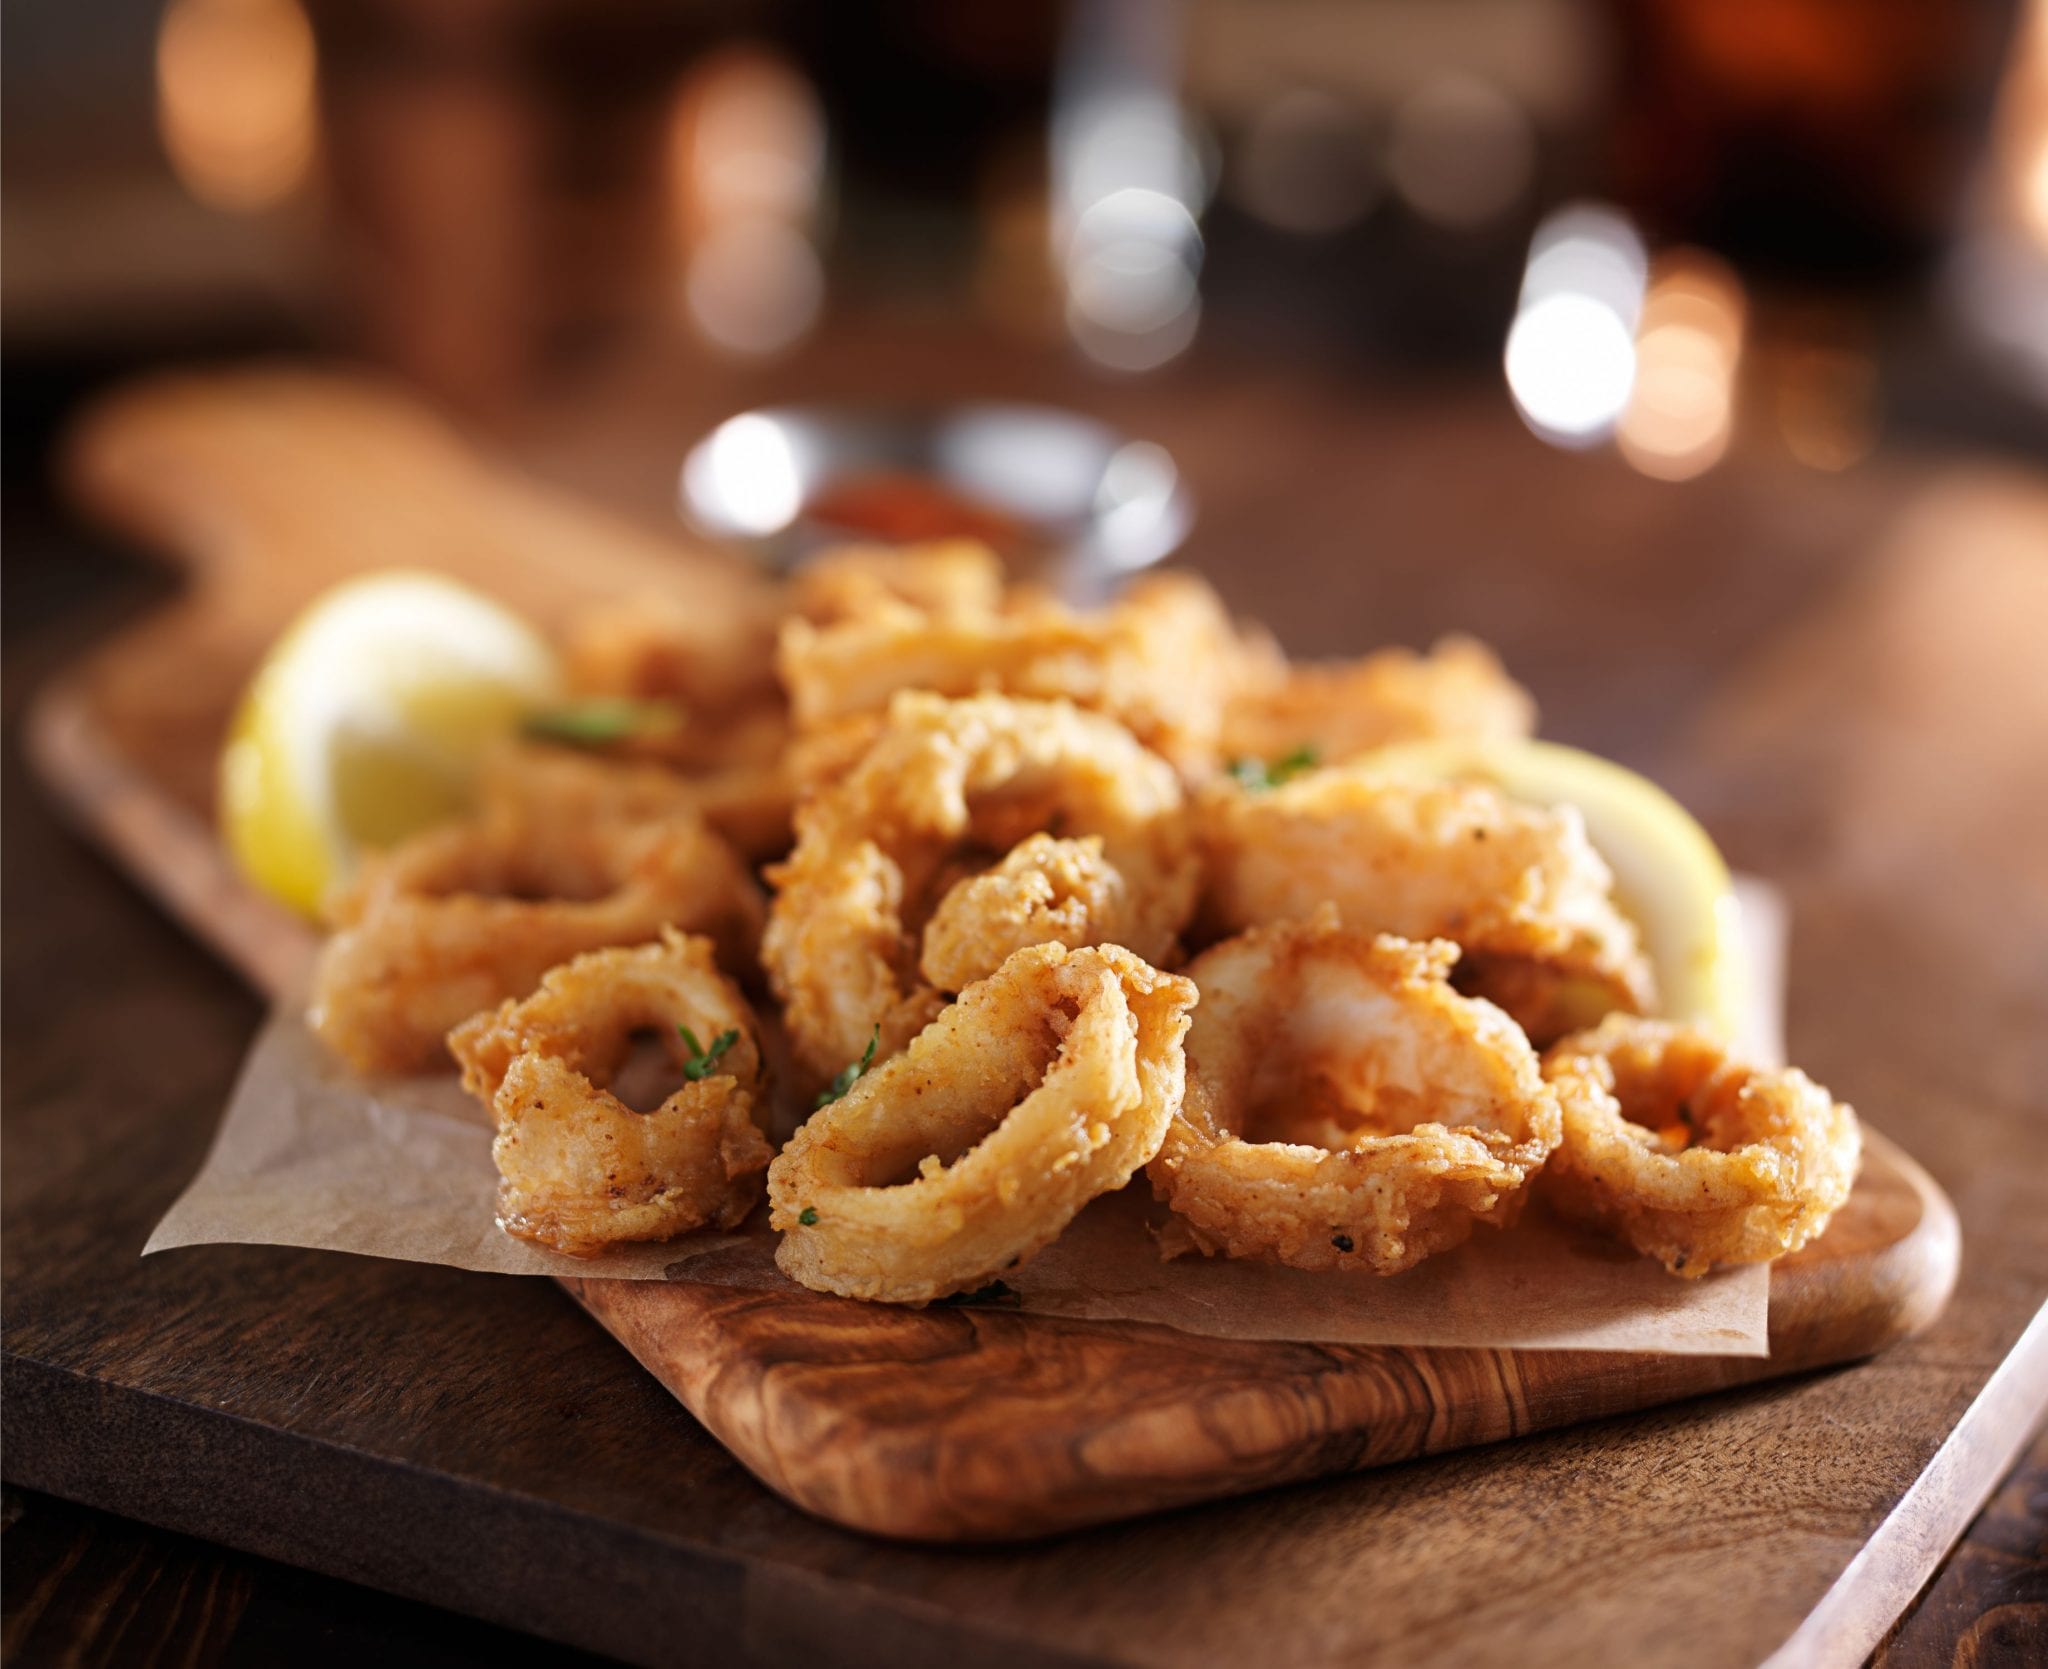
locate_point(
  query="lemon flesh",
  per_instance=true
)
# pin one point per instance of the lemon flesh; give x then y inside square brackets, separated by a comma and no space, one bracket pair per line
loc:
[367,722]
[1669,877]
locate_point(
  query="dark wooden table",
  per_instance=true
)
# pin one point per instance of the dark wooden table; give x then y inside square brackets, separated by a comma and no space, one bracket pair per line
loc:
[1842,674]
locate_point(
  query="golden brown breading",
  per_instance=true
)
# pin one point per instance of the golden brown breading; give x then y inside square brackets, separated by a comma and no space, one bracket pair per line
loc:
[1346,1108]
[1045,1085]
[580,1169]
[1690,1156]
[1519,887]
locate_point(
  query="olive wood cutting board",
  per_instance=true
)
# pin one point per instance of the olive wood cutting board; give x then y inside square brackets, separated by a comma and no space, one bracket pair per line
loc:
[955,1423]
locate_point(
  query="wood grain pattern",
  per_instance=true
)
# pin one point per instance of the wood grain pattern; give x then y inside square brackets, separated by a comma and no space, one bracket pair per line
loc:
[946,1425]
[480,1443]
[83,1588]
[1989,1605]
[969,1424]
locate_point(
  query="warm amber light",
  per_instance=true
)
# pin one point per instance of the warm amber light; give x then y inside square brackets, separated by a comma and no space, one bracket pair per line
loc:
[746,160]
[235,99]
[1681,411]
[1827,407]
[2024,115]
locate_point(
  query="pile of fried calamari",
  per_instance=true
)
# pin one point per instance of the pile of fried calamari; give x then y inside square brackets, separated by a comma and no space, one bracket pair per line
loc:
[1051,897]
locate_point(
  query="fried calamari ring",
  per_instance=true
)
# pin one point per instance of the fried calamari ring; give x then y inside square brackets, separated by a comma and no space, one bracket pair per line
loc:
[1690,1157]
[1046,1084]
[463,916]
[714,658]
[951,578]
[580,1170]
[823,755]
[1161,661]
[1046,891]
[949,783]
[1346,1108]
[1341,709]
[1518,887]
[749,804]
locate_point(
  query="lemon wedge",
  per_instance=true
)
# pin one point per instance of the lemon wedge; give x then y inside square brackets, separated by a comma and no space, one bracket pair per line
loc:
[366,722]
[1669,877]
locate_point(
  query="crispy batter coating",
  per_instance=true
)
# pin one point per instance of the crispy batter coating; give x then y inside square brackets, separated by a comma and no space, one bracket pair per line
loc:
[750,804]
[1045,1085]
[949,578]
[463,916]
[1346,1108]
[1689,1156]
[1162,661]
[1340,709]
[822,755]
[1519,887]
[1046,891]
[580,1170]
[946,789]
[982,789]
[668,646]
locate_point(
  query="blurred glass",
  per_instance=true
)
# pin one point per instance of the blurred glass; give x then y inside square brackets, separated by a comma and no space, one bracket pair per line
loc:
[1824,137]
[499,194]
[1128,186]
[1998,281]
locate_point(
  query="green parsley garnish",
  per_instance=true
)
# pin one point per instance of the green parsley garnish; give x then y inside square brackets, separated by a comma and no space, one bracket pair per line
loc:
[807,1216]
[602,720]
[1257,774]
[848,1073]
[702,1060]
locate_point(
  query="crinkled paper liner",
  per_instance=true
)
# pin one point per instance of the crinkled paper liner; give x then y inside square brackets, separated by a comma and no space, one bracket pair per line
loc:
[310,1155]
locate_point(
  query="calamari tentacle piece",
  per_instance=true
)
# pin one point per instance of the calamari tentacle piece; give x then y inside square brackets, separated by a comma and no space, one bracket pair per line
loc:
[946,578]
[946,788]
[1046,891]
[1162,661]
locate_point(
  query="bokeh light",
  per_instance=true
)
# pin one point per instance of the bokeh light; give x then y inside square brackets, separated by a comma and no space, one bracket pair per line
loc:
[746,164]
[1462,153]
[1571,356]
[1827,406]
[236,107]
[1306,164]
[1133,301]
[746,477]
[1128,183]
[1681,410]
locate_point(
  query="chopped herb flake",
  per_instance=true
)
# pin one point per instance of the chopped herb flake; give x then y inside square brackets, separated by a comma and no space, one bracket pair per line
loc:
[602,720]
[702,1061]
[849,1073]
[1258,774]
[808,1216]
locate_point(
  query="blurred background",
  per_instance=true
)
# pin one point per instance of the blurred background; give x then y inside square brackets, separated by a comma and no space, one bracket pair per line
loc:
[1676,227]
[1669,233]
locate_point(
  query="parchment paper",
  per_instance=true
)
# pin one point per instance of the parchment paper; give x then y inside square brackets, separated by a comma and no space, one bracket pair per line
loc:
[310,1155]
